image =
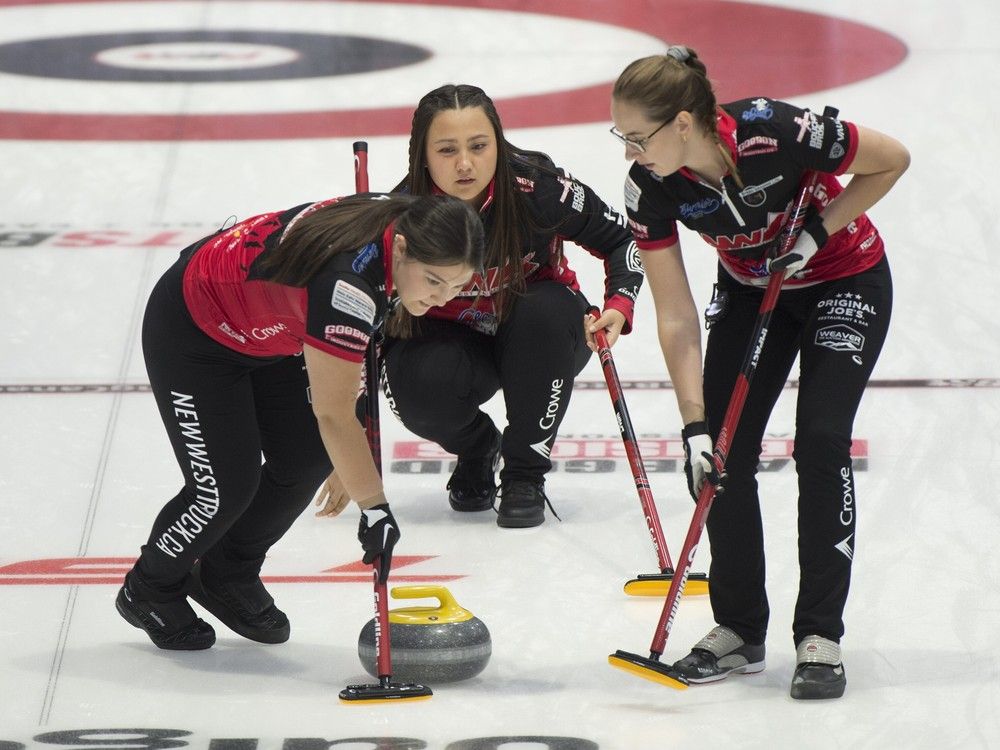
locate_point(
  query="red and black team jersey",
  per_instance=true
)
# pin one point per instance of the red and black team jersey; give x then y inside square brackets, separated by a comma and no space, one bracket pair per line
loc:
[773,144]
[337,312]
[561,209]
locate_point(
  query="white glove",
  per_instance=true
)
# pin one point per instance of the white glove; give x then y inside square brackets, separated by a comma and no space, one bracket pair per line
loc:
[812,237]
[698,463]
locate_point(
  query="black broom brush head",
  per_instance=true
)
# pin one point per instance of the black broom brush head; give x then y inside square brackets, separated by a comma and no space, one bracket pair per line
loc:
[385,693]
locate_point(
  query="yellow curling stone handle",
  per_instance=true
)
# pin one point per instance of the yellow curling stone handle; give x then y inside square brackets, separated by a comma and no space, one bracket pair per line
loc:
[447,609]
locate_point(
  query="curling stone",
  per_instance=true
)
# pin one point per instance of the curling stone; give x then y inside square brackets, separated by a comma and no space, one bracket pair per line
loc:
[429,645]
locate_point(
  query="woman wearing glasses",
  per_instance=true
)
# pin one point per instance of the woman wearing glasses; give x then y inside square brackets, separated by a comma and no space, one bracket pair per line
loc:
[731,173]
[519,326]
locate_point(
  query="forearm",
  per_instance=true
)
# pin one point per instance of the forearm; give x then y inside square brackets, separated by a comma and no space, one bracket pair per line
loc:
[347,446]
[879,162]
[681,345]
[860,194]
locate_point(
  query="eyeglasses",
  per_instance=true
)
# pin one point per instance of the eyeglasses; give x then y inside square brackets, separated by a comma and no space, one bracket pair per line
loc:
[640,143]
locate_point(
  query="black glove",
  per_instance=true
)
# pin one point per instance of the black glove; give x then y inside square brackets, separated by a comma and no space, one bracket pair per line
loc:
[702,468]
[378,533]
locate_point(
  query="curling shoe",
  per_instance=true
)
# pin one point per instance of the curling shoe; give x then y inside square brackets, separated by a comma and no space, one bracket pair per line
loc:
[719,654]
[169,622]
[522,504]
[819,670]
[243,606]
[472,486]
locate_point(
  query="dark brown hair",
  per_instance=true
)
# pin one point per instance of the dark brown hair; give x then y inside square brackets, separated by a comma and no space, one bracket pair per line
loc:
[511,216]
[439,231]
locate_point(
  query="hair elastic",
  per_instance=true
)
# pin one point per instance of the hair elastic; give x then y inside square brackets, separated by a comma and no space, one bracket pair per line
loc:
[680,53]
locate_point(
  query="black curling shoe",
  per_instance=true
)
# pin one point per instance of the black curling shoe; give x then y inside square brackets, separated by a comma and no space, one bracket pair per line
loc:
[472,486]
[244,607]
[522,504]
[170,624]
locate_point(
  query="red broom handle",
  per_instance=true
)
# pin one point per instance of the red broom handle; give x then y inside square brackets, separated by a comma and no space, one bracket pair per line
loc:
[631,446]
[730,422]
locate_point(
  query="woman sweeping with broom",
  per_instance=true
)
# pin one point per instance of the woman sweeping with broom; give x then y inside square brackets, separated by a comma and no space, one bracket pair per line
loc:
[731,173]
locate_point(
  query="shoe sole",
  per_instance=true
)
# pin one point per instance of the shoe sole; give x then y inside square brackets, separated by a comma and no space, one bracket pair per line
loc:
[754,668]
[486,504]
[818,692]
[807,691]
[132,619]
[519,523]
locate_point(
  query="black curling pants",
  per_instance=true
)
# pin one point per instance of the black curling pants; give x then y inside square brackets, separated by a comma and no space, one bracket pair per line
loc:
[438,380]
[837,329]
[244,436]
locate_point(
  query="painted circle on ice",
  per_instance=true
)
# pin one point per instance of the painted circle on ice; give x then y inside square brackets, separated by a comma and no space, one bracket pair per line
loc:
[193,56]
[170,70]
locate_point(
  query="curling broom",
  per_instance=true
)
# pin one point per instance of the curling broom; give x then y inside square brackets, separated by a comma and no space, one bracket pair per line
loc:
[386,690]
[645,584]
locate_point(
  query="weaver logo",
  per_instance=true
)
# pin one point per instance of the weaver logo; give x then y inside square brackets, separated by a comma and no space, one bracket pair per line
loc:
[840,338]
[79,571]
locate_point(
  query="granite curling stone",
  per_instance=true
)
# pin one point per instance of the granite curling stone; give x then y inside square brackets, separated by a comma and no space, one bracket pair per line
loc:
[429,645]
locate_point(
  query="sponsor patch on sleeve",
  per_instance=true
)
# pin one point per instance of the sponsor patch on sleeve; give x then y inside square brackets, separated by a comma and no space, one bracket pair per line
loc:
[632,194]
[347,337]
[353,301]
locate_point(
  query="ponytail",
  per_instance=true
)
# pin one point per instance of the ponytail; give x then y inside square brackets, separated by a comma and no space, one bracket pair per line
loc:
[665,85]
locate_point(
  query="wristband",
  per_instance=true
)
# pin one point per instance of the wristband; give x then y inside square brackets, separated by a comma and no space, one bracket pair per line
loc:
[814,226]
[694,428]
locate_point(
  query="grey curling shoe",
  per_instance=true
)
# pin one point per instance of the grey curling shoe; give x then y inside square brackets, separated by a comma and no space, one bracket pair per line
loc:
[819,670]
[719,654]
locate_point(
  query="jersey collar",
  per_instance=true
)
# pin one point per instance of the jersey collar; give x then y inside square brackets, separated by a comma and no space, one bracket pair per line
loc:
[725,126]
[725,123]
